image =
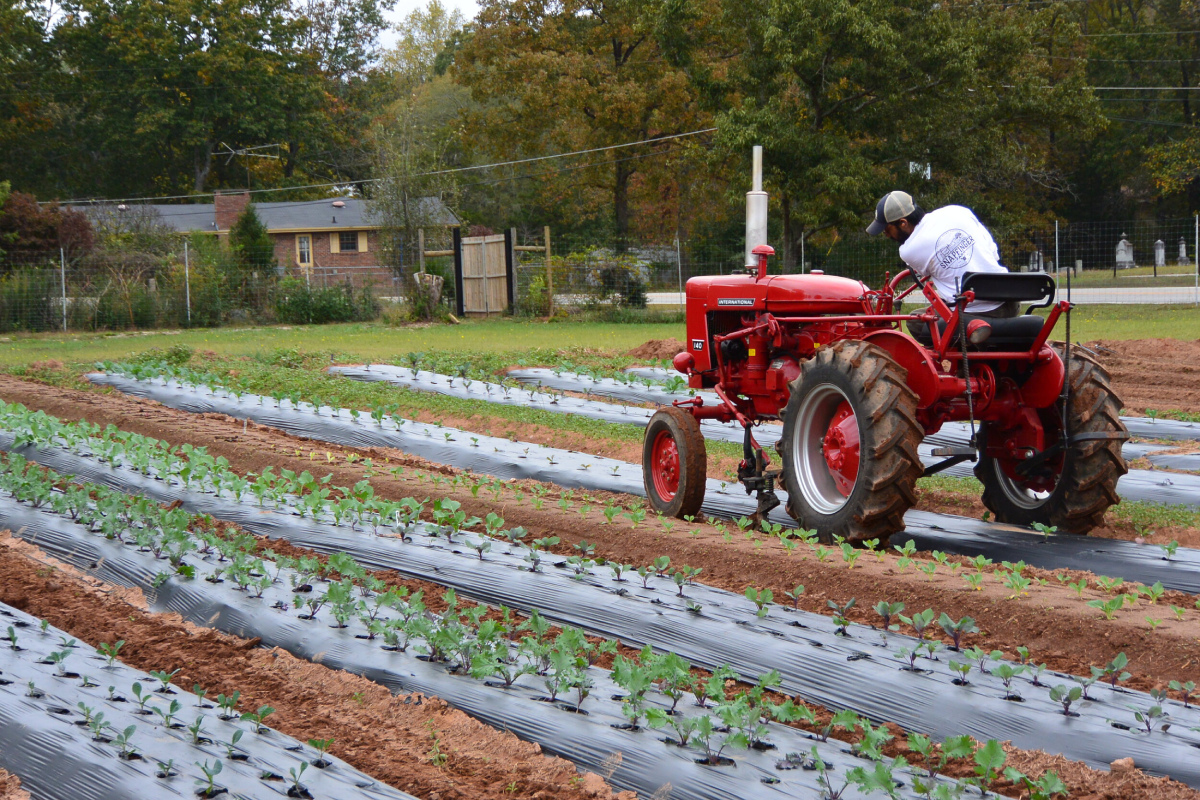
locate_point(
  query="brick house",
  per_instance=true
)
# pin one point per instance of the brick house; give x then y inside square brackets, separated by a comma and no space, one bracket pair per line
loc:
[332,240]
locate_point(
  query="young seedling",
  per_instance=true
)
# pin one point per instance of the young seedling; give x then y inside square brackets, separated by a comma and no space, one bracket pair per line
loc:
[1169,549]
[761,598]
[1114,671]
[297,790]
[123,740]
[164,679]
[256,718]
[196,728]
[919,622]
[109,651]
[795,595]
[208,786]
[957,629]
[888,610]
[1152,593]
[989,761]
[227,703]
[1109,607]
[1185,691]
[12,638]
[1078,587]
[230,746]
[962,668]
[1152,716]
[1066,695]
[168,716]
[322,747]
[1006,671]
[1045,530]
[839,616]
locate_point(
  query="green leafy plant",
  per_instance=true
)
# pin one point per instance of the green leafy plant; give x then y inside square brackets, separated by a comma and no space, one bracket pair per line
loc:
[256,718]
[761,598]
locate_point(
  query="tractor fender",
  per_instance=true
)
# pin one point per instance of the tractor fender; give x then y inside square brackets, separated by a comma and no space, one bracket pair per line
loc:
[1044,385]
[908,353]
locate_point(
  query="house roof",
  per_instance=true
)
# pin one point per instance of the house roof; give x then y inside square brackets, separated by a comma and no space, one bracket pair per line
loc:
[303,215]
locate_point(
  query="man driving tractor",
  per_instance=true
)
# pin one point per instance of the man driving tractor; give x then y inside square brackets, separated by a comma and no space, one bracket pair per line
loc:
[941,246]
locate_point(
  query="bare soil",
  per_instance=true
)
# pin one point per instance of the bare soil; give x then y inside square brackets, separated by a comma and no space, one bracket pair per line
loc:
[1071,638]
[657,349]
[10,787]
[392,738]
[1159,374]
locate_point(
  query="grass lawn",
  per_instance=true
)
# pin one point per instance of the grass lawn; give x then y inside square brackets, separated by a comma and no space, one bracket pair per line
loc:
[366,342]
[380,343]
[1131,322]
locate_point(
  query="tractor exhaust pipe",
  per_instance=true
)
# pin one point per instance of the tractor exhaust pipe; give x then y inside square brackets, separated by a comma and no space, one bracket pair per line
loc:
[756,212]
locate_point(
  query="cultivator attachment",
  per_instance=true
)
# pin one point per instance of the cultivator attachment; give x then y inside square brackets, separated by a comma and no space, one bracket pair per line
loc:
[755,476]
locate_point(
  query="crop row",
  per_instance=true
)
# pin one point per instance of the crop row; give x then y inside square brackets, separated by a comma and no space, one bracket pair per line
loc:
[1179,569]
[464,639]
[1002,673]
[358,507]
[75,712]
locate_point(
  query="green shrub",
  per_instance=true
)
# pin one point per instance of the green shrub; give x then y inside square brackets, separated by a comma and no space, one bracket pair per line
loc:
[29,300]
[299,304]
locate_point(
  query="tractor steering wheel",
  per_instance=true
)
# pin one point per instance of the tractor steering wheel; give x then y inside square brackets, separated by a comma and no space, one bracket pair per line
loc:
[894,282]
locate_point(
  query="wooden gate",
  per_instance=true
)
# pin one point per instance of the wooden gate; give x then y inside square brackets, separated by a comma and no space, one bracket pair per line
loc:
[485,274]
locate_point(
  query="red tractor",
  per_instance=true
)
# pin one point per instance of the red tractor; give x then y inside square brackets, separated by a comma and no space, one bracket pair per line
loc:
[857,394]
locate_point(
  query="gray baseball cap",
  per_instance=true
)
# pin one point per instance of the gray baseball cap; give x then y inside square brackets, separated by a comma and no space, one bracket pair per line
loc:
[892,207]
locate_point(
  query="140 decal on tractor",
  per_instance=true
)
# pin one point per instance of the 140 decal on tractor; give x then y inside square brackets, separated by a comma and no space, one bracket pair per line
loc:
[857,394]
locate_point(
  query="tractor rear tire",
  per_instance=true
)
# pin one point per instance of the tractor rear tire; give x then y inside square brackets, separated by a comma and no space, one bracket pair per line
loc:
[674,463]
[849,444]
[1087,484]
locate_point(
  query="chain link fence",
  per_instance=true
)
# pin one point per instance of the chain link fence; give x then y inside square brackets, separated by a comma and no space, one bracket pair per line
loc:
[118,290]
[1135,262]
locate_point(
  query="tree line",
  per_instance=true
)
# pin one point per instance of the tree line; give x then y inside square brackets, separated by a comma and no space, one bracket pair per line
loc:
[1027,111]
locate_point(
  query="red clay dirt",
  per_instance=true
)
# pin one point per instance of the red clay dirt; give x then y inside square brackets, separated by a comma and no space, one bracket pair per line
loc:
[1071,639]
[392,738]
[1158,374]
[657,349]
[10,787]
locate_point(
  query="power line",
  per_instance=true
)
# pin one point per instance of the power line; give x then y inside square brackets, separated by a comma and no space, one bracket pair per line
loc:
[1138,33]
[653,140]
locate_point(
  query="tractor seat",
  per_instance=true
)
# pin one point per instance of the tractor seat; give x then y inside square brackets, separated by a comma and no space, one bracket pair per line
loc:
[1009,334]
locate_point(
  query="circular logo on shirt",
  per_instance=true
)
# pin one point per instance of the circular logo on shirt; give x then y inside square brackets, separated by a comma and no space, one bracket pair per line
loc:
[952,252]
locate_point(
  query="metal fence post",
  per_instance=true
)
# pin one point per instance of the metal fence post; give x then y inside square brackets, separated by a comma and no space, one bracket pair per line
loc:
[549,275]
[187,282]
[1196,259]
[802,265]
[1057,263]
[679,269]
[62,266]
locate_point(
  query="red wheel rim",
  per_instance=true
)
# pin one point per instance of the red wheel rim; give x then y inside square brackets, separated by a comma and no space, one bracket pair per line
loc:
[664,466]
[841,449]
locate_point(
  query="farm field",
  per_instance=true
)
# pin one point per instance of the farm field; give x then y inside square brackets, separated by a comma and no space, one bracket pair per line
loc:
[400,613]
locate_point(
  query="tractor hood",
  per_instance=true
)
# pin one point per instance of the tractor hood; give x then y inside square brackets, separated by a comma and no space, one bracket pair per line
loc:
[800,294]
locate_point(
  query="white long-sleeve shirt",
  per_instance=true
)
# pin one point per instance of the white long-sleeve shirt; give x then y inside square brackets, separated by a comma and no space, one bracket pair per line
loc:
[948,242]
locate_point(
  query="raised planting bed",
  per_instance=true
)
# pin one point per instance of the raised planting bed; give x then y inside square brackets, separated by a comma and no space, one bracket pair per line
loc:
[455,655]
[78,724]
[709,626]
[492,455]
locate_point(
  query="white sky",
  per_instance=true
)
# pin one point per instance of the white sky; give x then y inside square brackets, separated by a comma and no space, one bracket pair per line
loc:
[405,7]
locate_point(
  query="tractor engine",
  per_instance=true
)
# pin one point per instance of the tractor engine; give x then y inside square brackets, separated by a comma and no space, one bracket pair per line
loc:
[759,369]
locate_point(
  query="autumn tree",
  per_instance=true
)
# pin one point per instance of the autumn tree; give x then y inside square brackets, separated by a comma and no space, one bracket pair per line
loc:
[853,97]
[565,76]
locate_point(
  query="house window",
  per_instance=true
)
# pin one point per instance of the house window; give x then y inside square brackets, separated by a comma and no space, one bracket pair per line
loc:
[348,241]
[304,249]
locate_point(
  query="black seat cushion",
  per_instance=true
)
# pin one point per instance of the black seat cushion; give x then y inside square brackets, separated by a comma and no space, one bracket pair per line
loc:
[1008,333]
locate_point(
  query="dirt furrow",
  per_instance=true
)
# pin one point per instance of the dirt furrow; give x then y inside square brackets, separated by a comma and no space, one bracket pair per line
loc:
[417,744]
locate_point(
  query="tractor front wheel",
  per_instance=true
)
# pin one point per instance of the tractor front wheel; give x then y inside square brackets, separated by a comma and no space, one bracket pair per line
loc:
[674,463]
[1072,491]
[849,444]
